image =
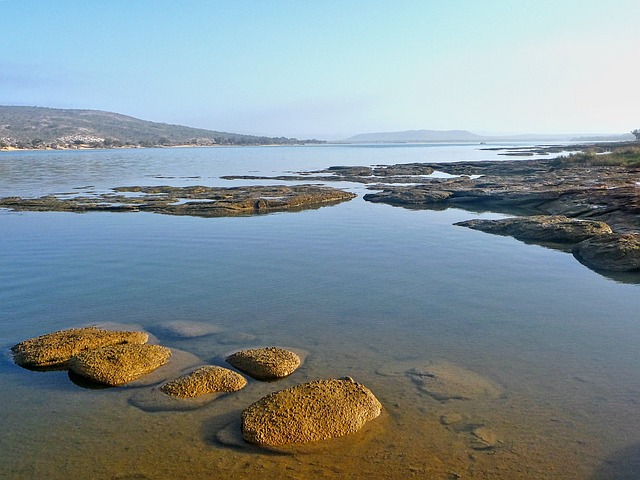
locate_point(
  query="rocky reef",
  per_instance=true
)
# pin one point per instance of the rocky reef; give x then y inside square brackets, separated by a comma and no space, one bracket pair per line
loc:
[606,193]
[196,201]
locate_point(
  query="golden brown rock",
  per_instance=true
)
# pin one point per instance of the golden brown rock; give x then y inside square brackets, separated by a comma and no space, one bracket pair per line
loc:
[55,349]
[265,363]
[119,364]
[207,379]
[310,412]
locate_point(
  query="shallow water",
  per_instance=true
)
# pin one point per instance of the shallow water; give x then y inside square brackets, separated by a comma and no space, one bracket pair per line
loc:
[368,290]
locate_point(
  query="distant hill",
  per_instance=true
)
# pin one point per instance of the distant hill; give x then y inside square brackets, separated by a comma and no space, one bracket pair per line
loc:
[626,137]
[40,127]
[463,136]
[415,136]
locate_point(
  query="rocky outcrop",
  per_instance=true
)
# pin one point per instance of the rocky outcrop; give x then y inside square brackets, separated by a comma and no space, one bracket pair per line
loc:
[265,363]
[119,364]
[402,173]
[541,228]
[613,252]
[196,201]
[309,412]
[528,187]
[56,349]
[207,379]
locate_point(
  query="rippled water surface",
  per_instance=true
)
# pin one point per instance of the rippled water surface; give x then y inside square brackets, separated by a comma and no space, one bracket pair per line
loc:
[367,290]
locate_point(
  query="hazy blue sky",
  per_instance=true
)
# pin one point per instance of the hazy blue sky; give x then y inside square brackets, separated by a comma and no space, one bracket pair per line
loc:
[301,67]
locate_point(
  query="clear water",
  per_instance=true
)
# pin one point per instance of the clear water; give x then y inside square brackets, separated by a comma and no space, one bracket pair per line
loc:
[367,290]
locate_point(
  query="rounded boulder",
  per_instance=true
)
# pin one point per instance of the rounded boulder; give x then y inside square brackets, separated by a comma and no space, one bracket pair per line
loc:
[56,349]
[207,379]
[119,364]
[309,412]
[265,363]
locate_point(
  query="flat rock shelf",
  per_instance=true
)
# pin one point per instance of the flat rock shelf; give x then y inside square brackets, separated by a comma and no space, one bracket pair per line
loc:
[198,201]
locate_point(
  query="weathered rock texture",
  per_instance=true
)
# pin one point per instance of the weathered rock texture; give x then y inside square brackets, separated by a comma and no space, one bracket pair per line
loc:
[55,349]
[541,228]
[309,412]
[119,364]
[613,252]
[265,363]
[445,381]
[196,201]
[207,379]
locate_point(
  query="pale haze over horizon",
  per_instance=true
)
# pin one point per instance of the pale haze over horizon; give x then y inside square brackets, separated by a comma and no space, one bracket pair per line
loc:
[333,68]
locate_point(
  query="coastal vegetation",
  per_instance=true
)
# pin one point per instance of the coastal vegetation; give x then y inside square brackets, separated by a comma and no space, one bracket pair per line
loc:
[51,128]
[626,155]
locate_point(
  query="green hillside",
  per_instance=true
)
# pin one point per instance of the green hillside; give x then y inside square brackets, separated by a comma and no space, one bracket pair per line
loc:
[39,127]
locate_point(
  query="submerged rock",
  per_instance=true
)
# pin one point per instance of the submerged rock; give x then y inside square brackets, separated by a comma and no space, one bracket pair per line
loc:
[614,252]
[119,364]
[445,381]
[207,379]
[541,228]
[309,412]
[186,329]
[265,363]
[55,349]
[483,438]
[451,418]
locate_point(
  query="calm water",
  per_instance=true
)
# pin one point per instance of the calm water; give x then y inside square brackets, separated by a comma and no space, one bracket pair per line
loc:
[366,290]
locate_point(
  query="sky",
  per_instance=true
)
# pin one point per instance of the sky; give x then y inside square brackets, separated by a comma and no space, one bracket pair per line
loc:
[330,69]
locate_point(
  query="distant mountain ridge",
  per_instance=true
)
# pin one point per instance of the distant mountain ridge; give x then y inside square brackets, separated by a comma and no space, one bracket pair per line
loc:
[411,136]
[453,136]
[41,127]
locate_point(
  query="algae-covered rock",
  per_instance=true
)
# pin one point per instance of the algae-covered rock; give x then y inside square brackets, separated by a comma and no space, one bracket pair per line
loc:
[265,363]
[207,379]
[614,252]
[310,412]
[55,349]
[119,364]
